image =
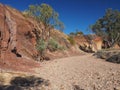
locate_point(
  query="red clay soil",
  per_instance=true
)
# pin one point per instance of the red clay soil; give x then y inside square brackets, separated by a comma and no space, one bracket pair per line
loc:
[22,65]
[16,37]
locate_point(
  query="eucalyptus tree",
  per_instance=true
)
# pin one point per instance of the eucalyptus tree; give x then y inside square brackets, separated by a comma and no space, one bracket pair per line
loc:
[47,20]
[108,27]
[46,15]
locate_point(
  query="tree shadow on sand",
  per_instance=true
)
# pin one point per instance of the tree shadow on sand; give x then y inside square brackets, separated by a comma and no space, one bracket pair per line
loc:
[25,83]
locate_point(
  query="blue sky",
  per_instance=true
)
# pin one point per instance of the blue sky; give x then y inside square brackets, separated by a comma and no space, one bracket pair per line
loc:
[75,14]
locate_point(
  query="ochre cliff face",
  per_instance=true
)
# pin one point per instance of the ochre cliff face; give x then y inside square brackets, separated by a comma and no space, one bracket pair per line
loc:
[97,44]
[94,43]
[17,37]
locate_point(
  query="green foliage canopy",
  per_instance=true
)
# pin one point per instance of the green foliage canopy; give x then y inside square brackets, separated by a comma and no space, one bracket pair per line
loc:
[46,14]
[108,26]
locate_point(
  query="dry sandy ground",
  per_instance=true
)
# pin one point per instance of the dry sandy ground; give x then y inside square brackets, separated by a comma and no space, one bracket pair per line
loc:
[85,71]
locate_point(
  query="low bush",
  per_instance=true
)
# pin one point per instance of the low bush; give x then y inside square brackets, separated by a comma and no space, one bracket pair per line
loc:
[53,45]
[41,46]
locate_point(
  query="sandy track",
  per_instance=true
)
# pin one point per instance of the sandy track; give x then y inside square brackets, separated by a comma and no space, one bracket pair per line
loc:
[86,71]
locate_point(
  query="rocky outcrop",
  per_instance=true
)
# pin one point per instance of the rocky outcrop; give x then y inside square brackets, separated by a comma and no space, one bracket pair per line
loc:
[114,59]
[88,43]
[17,41]
[112,55]
[97,43]
[17,37]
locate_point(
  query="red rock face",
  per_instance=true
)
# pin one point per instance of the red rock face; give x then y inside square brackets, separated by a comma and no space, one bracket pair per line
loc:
[17,38]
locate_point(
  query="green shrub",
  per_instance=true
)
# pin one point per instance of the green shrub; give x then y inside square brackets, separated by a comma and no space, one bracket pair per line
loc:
[41,46]
[53,45]
[71,40]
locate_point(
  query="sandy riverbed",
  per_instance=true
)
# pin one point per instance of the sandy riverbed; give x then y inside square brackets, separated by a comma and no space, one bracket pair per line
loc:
[85,71]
